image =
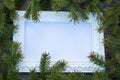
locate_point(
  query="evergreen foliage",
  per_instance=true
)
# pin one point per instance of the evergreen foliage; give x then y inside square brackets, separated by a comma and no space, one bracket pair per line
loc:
[97,59]
[1,77]
[108,15]
[70,76]
[11,61]
[10,53]
[33,74]
[79,9]
[33,10]
[11,5]
[100,76]
[45,68]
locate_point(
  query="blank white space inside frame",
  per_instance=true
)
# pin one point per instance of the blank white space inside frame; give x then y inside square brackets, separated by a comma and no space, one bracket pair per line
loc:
[62,40]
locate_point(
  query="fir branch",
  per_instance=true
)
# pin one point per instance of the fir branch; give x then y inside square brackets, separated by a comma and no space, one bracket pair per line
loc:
[1,77]
[113,41]
[33,74]
[100,76]
[44,62]
[10,4]
[13,15]
[15,57]
[97,59]
[57,5]
[44,65]
[2,19]
[111,17]
[12,74]
[58,66]
[117,57]
[33,10]
[45,70]
[27,13]
[78,12]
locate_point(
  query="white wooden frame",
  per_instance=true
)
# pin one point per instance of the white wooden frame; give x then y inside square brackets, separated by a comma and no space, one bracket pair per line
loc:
[51,16]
